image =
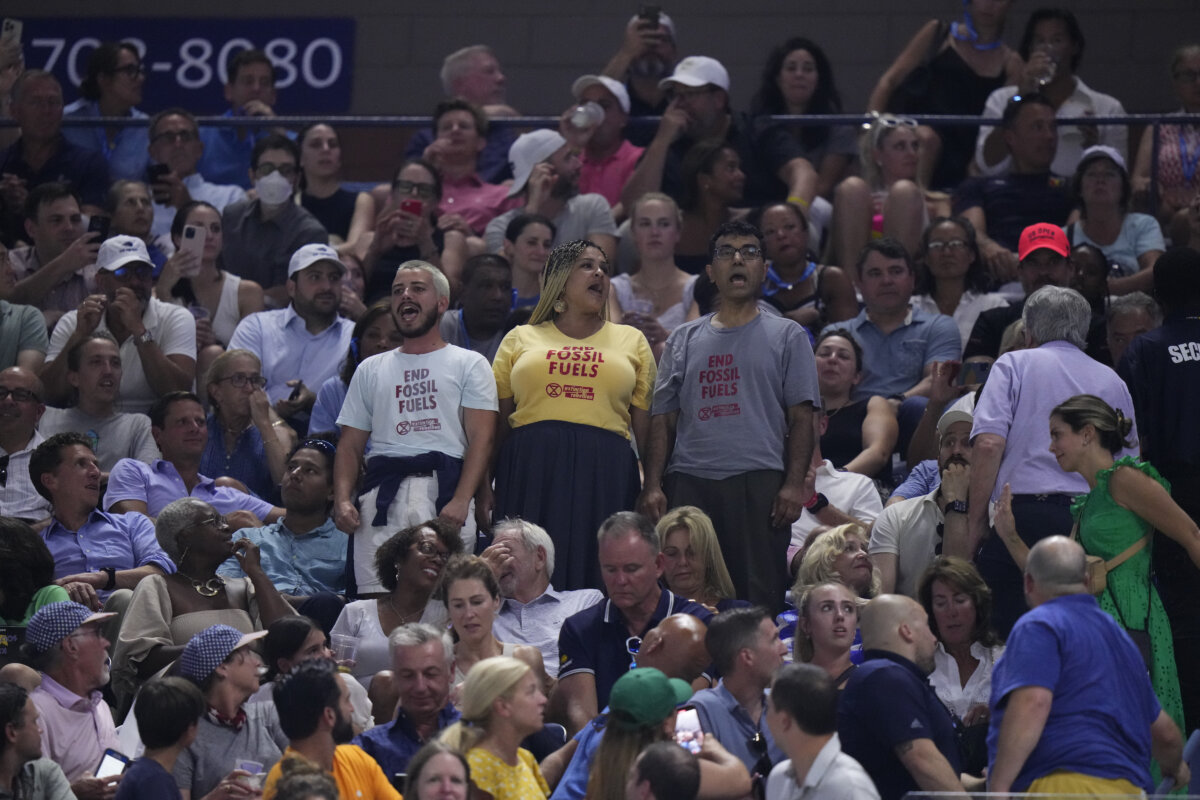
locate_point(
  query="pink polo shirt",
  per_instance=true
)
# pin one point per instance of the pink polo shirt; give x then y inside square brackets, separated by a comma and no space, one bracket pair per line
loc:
[608,177]
[75,730]
[478,202]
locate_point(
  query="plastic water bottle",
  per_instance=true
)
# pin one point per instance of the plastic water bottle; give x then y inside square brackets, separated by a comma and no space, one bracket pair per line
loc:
[587,115]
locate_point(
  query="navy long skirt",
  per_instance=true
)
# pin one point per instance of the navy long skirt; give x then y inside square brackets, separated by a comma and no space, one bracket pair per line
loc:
[568,478]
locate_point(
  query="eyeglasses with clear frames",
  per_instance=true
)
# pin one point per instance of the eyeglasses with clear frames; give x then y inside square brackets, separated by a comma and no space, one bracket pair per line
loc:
[240,380]
[748,252]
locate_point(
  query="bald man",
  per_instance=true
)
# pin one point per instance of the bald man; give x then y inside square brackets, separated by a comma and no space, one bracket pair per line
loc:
[889,719]
[676,647]
[1073,710]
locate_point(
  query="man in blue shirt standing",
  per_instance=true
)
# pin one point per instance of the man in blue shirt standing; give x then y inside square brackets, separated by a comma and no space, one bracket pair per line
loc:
[250,91]
[890,720]
[1073,711]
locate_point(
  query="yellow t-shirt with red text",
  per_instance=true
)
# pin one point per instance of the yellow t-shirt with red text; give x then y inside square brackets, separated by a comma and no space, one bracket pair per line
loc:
[591,381]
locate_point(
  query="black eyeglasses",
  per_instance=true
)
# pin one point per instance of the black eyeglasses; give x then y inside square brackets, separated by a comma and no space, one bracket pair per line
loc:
[19,395]
[138,270]
[423,190]
[240,379]
[130,70]
[429,551]
[748,252]
[175,136]
[266,168]
[757,745]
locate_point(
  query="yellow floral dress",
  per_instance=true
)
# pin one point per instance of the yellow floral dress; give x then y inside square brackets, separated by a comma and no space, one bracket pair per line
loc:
[504,781]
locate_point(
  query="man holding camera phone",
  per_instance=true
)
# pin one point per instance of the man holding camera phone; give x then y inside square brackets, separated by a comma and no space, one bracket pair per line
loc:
[176,149]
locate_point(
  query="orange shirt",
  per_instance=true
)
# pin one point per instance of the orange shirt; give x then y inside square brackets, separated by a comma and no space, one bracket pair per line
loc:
[356,773]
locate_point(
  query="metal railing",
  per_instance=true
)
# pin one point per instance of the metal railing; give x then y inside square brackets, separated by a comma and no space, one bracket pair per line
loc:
[1153,121]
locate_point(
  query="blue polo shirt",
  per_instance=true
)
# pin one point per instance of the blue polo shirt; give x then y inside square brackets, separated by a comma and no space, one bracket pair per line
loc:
[120,541]
[594,640]
[300,564]
[394,744]
[895,362]
[888,701]
[1104,705]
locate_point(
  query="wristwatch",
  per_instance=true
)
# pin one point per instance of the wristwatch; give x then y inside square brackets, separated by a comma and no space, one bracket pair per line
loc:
[144,337]
[817,504]
[958,506]
[111,572]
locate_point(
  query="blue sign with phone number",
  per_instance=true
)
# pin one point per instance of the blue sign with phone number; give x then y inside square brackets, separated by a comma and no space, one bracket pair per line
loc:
[186,59]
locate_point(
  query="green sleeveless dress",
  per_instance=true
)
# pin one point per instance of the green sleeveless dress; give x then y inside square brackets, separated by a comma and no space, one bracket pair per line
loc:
[1106,530]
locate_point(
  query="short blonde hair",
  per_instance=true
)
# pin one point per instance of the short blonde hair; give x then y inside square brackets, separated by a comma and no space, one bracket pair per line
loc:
[440,282]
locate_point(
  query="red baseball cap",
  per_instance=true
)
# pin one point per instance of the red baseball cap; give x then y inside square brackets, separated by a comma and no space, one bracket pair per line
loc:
[1043,235]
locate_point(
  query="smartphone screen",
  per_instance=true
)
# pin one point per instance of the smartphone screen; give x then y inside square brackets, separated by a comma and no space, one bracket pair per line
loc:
[411,207]
[111,763]
[99,224]
[687,730]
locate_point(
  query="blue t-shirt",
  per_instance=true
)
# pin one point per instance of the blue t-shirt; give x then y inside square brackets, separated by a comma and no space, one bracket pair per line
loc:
[147,780]
[1104,705]
[888,701]
[595,640]
[573,785]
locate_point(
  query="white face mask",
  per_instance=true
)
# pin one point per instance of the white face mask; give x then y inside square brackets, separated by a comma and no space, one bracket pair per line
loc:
[273,189]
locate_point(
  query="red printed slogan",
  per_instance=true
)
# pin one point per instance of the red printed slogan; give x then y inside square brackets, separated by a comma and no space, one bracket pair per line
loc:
[573,361]
[719,379]
[417,393]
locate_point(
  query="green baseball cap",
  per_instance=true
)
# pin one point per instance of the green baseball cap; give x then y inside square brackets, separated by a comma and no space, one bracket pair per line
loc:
[644,697]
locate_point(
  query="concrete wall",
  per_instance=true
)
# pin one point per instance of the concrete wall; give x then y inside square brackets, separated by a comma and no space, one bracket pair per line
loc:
[545,44]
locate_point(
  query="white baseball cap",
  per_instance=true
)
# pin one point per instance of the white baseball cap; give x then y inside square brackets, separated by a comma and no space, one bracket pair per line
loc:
[698,71]
[529,150]
[121,250]
[310,254]
[615,88]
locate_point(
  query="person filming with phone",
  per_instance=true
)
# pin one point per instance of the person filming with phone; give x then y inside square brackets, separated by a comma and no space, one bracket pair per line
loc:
[175,150]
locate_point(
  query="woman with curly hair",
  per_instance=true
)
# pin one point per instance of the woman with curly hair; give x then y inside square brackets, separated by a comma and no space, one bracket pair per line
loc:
[839,554]
[574,390]
[409,566]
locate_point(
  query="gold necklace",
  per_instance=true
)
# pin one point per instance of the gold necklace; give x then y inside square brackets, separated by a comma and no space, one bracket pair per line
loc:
[404,618]
[209,588]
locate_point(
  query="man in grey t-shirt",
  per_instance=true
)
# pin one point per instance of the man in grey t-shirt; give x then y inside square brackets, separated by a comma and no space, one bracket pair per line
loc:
[732,421]
[94,371]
